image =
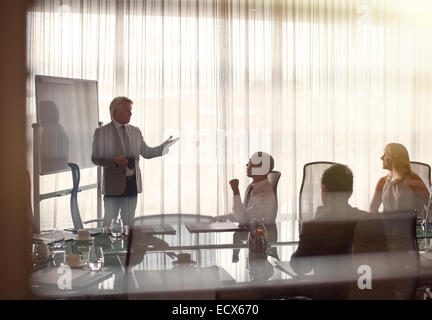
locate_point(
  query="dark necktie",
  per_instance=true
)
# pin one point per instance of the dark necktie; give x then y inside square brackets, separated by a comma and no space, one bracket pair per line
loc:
[125,139]
[248,195]
[131,159]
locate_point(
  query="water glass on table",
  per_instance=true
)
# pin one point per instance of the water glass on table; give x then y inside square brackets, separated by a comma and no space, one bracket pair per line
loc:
[116,228]
[95,258]
[40,255]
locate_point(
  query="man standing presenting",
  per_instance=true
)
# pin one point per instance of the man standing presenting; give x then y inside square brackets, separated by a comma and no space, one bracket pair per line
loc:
[117,147]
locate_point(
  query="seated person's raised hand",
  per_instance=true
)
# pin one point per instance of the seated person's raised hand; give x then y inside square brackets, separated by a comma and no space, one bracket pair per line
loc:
[234,183]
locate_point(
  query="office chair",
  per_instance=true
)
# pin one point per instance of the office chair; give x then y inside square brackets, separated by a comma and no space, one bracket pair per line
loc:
[404,258]
[75,213]
[424,172]
[310,190]
[274,177]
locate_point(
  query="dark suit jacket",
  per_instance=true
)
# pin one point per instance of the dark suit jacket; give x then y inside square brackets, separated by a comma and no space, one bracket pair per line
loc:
[325,247]
[370,249]
[335,249]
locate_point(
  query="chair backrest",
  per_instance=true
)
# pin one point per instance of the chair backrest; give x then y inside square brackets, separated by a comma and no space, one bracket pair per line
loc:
[310,190]
[274,177]
[32,228]
[404,264]
[75,214]
[326,249]
[424,172]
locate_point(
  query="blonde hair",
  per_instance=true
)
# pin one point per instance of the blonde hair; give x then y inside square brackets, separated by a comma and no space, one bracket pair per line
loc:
[118,102]
[399,156]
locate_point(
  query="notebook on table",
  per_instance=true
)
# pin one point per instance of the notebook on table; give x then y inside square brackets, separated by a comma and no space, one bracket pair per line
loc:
[214,227]
[157,229]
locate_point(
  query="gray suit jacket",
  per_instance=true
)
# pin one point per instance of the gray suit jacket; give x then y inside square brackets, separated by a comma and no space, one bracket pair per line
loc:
[107,145]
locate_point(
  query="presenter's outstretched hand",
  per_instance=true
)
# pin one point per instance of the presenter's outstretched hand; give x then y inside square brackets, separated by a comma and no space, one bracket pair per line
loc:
[169,142]
[120,160]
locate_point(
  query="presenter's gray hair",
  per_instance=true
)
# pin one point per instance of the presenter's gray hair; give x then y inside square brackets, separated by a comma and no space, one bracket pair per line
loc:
[117,102]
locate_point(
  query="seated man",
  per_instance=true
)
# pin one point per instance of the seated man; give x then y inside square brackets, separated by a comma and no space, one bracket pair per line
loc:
[327,243]
[259,201]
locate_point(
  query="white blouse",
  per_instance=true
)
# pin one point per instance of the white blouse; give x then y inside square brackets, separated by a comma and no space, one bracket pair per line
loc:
[397,195]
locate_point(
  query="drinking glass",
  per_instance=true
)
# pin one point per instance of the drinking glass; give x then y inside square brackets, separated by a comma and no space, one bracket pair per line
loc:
[58,257]
[95,258]
[57,238]
[116,228]
[40,254]
[117,245]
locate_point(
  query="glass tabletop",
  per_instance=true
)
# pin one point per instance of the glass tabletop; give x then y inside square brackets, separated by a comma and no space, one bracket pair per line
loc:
[158,271]
[184,261]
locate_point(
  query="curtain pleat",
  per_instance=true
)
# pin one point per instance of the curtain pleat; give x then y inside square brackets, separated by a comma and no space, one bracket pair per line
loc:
[304,80]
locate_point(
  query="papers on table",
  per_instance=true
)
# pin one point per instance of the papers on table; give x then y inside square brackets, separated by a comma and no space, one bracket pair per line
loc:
[224,276]
[79,277]
[285,266]
[213,227]
[54,236]
[157,229]
[92,231]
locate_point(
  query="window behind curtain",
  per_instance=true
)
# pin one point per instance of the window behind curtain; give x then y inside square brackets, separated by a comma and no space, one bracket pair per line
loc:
[302,80]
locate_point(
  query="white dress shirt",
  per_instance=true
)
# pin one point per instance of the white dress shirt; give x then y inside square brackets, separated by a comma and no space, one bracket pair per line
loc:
[261,204]
[397,195]
[129,172]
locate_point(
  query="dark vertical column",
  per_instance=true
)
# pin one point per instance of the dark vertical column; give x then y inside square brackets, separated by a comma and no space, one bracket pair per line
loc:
[14,235]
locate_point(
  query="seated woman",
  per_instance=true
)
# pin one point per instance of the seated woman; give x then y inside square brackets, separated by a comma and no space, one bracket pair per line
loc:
[401,189]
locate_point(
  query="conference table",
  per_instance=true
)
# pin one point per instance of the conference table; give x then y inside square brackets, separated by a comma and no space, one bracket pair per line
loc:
[190,265]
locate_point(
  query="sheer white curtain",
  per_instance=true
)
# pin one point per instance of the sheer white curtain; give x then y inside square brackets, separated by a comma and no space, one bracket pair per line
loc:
[303,80]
